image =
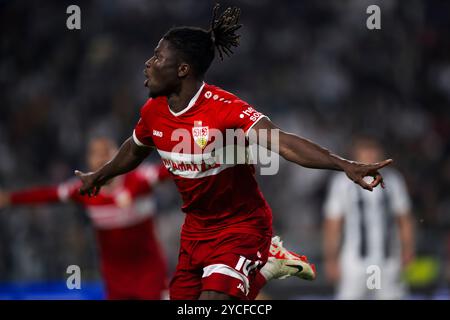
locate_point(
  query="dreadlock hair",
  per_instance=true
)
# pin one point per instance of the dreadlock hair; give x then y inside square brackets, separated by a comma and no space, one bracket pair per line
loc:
[197,46]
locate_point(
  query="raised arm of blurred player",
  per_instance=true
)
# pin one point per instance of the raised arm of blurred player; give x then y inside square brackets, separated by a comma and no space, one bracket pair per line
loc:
[308,154]
[40,195]
[332,230]
[406,233]
[146,177]
[129,156]
[332,238]
[401,207]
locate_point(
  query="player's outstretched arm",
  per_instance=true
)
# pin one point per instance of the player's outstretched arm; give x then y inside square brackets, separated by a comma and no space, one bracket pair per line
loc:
[129,156]
[308,154]
[406,234]
[31,196]
[331,240]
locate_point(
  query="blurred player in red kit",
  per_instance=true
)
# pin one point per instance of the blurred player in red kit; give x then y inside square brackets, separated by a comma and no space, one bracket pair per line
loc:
[132,262]
[226,249]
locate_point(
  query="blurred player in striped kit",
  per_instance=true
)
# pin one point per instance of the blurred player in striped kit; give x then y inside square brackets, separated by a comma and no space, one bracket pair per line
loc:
[132,263]
[375,227]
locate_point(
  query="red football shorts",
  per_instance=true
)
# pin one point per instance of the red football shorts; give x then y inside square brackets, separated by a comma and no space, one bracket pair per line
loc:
[228,264]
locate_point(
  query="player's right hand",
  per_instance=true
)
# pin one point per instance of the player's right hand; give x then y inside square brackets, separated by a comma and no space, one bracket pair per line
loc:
[91,186]
[357,171]
[4,199]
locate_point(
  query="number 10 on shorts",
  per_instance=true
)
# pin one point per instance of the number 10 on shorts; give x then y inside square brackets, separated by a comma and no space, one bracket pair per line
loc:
[246,265]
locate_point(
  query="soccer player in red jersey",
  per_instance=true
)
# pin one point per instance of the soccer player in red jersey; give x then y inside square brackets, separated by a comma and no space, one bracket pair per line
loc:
[132,262]
[226,236]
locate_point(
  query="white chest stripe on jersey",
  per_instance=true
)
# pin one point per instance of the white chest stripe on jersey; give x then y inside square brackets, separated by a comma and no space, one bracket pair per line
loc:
[199,174]
[186,157]
[192,166]
[110,216]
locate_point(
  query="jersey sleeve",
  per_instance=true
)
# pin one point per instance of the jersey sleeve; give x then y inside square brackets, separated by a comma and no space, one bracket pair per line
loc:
[399,199]
[69,191]
[334,202]
[240,115]
[142,133]
[37,195]
[46,194]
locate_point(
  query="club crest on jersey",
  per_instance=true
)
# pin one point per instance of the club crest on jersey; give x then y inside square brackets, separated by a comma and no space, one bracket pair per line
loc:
[200,134]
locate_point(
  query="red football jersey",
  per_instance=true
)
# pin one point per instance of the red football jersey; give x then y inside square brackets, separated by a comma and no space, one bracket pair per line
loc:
[217,197]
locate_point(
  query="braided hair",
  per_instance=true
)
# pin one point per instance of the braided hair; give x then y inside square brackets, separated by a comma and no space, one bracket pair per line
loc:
[223,28]
[197,46]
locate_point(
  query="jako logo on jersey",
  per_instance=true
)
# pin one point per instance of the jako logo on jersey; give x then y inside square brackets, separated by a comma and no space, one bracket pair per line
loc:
[157,133]
[200,134]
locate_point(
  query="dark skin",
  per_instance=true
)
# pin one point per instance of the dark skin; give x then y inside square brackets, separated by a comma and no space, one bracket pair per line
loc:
[310,155]
[168,75]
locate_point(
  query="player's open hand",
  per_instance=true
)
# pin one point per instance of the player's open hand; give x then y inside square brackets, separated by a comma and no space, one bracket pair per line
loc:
[357,171]
[91,186]
[4,199]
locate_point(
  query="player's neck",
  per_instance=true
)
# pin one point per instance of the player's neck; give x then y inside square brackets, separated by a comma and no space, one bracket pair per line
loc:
[180,100]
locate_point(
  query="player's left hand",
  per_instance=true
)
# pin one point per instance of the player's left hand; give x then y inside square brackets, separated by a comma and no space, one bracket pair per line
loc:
[91,186]
[356,171]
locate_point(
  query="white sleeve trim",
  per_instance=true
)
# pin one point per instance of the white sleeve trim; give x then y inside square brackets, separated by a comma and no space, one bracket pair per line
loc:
[63,193]
[136,140]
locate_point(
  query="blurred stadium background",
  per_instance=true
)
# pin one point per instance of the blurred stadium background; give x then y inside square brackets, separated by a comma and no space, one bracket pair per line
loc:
[313,66]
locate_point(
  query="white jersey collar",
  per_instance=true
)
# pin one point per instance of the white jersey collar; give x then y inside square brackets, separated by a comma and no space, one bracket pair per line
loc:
[190,104]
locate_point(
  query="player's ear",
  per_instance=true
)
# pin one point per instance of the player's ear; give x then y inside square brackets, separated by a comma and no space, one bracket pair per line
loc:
[183,70]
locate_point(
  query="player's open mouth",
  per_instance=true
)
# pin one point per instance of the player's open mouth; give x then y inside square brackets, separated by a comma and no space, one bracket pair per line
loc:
[146,76]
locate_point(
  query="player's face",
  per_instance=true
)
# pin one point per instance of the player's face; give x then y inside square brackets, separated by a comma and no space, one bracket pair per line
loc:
[100,151]
[161,71]
[368,154]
